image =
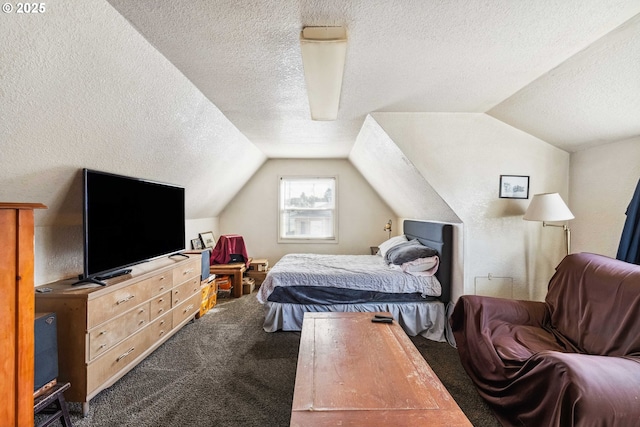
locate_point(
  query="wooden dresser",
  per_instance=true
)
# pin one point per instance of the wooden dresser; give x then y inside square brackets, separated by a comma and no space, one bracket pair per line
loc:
[104,332]
[16,306]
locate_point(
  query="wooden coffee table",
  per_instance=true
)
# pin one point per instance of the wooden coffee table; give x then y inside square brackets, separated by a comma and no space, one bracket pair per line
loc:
[352,372]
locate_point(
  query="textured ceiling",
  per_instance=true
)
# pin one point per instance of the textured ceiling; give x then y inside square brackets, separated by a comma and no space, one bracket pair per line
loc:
[592,98]
[80,88]
[396,179]
[548,67]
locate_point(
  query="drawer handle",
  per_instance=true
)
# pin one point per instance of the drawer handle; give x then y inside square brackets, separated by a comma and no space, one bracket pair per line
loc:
[161,332]
[122,301]
[161,300]
[161,277]
[162,323]
[188,271]
[122,356]
[186,310]
[102,333]
[141,322]
[162,288]
[102,346]
[141,311]
[161,310]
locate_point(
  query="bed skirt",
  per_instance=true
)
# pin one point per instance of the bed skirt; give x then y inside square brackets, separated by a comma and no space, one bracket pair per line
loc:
[427,319]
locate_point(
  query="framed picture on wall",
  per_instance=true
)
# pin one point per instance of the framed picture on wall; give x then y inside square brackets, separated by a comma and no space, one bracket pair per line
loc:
[514,187]
[208,241]
[196,244]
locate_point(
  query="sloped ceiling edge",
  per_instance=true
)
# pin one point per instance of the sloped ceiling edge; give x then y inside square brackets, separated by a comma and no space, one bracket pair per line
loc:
[396,180]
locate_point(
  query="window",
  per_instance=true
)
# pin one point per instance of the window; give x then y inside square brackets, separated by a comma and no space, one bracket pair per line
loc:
[307,209]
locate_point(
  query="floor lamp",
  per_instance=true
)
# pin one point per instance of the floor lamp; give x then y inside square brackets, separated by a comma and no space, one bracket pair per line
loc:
[550,207]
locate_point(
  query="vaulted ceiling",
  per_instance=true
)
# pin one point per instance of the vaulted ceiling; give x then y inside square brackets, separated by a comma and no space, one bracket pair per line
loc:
[565,71]
[144,87]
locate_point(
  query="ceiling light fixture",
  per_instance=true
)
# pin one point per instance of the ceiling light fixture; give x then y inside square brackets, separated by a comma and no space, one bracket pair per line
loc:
[323,53]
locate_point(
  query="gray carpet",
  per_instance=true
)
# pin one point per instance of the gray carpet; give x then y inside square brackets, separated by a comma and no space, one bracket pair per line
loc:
[224,370]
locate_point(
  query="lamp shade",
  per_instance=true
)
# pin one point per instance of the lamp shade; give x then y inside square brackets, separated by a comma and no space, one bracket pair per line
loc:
[547,207]
[323,54]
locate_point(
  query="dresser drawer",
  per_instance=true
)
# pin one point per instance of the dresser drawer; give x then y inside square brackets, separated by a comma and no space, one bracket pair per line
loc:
[187,271]
[108,334]
[160,283]
[184,291]
[187,309]
[161,327]
[115,303]
[118,358]
[160,305]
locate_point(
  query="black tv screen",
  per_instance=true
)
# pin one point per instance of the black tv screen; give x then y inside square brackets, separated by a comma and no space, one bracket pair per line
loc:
[127,221]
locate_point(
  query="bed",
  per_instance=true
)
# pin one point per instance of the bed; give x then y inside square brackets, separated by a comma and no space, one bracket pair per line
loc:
[300,283]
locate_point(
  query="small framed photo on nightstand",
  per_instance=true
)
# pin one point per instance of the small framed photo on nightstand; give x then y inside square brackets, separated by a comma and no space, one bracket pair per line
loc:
[514,187]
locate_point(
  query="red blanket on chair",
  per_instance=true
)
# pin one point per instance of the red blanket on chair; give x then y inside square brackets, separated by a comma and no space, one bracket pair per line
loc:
[229,244]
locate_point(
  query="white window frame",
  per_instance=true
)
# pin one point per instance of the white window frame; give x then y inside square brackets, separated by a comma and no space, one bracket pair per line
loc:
[282,210]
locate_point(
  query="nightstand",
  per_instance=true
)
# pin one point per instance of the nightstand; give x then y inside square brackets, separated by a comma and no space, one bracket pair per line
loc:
[235,270]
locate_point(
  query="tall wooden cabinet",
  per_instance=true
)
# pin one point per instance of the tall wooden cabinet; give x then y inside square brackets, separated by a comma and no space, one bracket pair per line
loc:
[17,312]
[107,331]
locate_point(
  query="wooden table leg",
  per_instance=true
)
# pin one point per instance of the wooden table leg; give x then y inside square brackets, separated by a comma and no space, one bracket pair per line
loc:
[237,283]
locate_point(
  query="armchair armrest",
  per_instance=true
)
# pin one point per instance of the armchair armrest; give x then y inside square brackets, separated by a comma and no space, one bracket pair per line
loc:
[574,389]
[483,310]
[486,329]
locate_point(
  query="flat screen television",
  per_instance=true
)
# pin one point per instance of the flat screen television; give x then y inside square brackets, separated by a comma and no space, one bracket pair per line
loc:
[127,221]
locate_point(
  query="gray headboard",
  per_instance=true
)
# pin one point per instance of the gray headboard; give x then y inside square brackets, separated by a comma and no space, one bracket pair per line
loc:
[439,237]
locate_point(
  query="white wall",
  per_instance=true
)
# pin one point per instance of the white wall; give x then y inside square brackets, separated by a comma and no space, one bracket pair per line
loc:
[603,180]
[398,182]
[253,213]
[462,156]
[81,87]
[196,226]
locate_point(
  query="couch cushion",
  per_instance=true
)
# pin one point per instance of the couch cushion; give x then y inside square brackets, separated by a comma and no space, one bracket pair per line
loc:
[594,303]
[517,343]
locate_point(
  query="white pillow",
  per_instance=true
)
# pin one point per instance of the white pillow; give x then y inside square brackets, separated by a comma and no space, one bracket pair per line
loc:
[385,246]
[421,264]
